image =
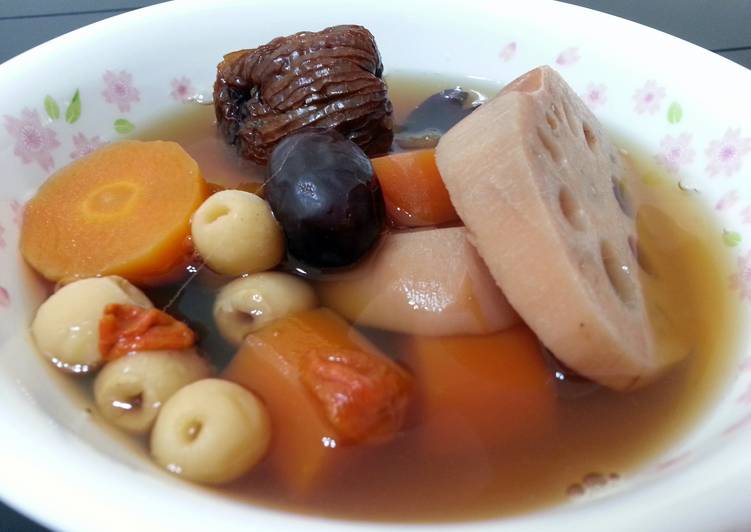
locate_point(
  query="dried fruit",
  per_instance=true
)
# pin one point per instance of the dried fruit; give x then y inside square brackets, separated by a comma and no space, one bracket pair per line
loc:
[436,115]
[324,194]
[326,79]
[126,328]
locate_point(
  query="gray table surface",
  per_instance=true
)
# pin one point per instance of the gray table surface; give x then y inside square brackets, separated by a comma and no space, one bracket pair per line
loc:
[723,26]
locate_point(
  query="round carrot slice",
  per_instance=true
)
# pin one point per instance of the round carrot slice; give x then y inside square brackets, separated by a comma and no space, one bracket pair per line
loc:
[122,210]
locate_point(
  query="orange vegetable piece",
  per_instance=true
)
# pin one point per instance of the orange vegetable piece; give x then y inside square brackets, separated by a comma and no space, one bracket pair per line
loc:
[480,392]
[177,270]
[124,329]
[413,189]
[325,387]
[122,210]
[363,396]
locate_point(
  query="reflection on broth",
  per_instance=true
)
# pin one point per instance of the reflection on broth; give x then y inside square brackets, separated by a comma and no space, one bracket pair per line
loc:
[585,435]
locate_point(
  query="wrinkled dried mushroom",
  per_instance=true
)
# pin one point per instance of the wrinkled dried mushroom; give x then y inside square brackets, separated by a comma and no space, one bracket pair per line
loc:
[328,79]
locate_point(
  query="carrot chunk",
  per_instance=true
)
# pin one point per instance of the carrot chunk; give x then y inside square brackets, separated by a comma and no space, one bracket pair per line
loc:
[479,392]
[122,210]
[327,389]
[413,189]
[127,328]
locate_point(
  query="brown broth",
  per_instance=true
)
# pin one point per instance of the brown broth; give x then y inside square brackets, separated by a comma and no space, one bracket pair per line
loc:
[599,433]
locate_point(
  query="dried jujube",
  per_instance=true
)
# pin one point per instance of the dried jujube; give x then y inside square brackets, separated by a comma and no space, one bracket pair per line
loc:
[326,79]
[324,194]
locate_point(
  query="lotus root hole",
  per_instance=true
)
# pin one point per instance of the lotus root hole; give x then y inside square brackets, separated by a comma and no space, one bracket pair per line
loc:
[570,119]
[639,255]
[552,120]
[618,272]
[621,196]
[549,144]
[571,209]
[530,82]
[589,136]
[557,112]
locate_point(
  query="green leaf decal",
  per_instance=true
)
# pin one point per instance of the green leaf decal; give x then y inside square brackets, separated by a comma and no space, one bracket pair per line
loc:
[123,126]
[73,112]
[50,105]
[731,238]
[675,113]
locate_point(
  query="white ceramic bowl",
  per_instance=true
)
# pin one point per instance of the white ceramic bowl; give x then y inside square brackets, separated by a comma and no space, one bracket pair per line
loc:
[686,106]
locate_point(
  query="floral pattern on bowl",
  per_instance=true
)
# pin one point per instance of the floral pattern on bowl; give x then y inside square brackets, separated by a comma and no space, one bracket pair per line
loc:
[36,142]
[114,95]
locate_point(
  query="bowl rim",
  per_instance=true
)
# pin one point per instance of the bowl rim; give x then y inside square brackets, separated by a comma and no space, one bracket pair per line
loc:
[704,478]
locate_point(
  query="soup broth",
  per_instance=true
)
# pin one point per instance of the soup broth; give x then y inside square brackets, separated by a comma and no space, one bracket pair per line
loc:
[599,435]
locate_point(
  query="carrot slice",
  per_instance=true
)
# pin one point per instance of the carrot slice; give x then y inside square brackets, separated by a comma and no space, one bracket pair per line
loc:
[326,388]
[480,392]
[122,210]
[124,329]
[413,189]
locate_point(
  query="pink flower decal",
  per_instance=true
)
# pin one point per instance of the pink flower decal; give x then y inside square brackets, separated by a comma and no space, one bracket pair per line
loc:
[182,90]
[649,98]
[675,152]
[741,280]
[595,95]
[119,89]
[726,155]
[17,209]
[4,298]
[568,57]
[84,145]
[34,142]
[508,52]
[727,201]
[2,238]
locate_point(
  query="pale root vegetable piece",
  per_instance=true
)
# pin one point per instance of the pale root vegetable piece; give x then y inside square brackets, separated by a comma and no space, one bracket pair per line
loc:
[211,431]
[533,176]
[66,326]
[326,388]
[130,390]
[429,282]
[247,304]
[121,210]
[481,392]
[235,233]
